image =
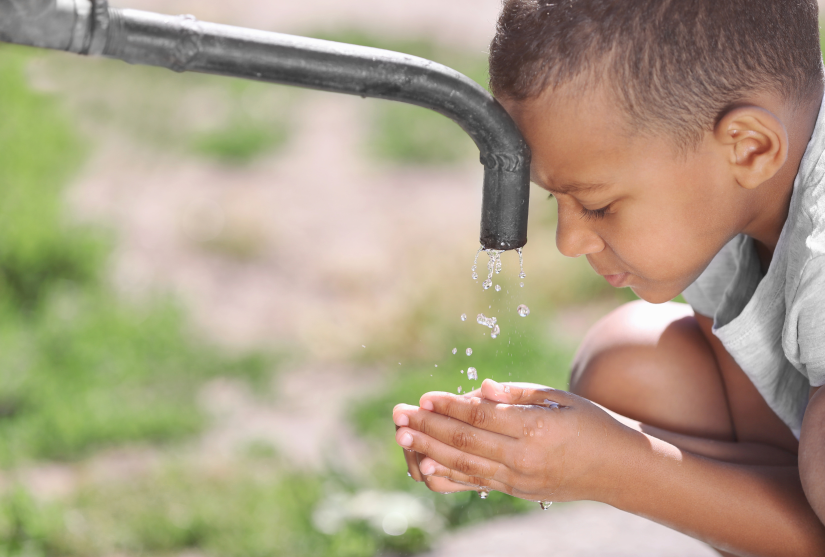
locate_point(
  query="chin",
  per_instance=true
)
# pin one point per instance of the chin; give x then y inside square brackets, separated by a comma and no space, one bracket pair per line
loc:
[655,295]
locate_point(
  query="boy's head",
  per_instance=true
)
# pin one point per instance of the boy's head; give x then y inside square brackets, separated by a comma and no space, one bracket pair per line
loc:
[680,111]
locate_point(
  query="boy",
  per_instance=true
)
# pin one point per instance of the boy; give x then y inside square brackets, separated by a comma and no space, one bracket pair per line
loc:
[684,142]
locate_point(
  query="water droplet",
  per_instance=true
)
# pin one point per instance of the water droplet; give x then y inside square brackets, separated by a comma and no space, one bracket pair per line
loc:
[521,284]
[475,276]
[496,331]
[507,389]
[409,475]
[551,405]
[459,389]
[539,424]
[462,371]
[455,351]
[362,346]
[464,317]
[469,351]
[436,365]
[487,284]
[483,493]
[523,310]
[545,505]
[498,288]
[472,374]
[488,322]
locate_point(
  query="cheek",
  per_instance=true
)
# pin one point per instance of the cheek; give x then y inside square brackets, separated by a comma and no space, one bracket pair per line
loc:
[663,245]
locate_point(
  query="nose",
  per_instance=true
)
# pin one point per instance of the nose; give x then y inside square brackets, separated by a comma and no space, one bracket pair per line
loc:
[575,235]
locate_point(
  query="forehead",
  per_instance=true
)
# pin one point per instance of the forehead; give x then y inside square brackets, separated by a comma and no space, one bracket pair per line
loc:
[577,141]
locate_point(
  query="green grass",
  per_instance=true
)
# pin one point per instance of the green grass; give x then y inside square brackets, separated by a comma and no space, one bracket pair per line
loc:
[79,370]
[239,141]
[230,121]
[250,128]
[266,513]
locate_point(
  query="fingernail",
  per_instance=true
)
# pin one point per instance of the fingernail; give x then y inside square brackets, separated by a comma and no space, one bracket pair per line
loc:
[427,468]
[406,440]
[401,420]
[427,405]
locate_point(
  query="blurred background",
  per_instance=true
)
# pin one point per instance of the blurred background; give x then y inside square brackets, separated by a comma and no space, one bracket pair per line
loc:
[213,292]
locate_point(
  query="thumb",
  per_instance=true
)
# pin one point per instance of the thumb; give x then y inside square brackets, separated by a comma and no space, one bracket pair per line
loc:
[523,393]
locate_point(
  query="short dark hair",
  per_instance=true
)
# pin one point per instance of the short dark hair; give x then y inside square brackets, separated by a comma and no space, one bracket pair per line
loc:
[675,66]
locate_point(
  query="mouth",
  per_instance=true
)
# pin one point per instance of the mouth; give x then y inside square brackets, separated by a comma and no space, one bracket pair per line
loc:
[617,281]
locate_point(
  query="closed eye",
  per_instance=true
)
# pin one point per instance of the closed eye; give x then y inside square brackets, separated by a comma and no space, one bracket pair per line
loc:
[588,214]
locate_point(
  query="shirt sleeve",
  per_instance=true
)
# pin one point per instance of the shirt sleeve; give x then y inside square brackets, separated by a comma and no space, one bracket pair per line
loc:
[809,307]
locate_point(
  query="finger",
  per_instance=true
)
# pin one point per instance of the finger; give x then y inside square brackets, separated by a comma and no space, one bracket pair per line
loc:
[411,457]
[434,469]
[413,468]
[478,412]
[445,485]
[468,464]
[524,394]
[458,434]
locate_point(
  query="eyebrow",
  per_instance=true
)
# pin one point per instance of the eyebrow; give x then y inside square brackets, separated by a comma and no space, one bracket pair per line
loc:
[577,187]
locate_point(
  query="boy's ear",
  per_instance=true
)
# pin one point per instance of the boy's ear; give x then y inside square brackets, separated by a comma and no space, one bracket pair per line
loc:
[756,142]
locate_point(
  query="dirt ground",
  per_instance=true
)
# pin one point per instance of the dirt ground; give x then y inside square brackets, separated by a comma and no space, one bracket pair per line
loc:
[328,274]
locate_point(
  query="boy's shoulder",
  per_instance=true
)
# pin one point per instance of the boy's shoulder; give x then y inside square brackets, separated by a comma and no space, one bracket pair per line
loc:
[773,323]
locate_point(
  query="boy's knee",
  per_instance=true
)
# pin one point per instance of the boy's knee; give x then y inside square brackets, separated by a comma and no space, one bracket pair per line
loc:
[616,352]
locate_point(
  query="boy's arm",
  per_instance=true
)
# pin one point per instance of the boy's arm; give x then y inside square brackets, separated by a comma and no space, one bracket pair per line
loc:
[726,451]
[812,452]
[580,452]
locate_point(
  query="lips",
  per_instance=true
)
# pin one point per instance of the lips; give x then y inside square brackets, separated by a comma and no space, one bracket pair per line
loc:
[617,281]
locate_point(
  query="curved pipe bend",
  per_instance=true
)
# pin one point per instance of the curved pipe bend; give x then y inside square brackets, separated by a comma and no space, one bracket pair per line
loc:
[182,43]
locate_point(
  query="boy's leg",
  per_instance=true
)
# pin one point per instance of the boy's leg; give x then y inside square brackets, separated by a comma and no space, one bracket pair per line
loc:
[663,366]
[653,364]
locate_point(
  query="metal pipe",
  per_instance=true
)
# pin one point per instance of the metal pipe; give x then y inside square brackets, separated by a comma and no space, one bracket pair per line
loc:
[182,43]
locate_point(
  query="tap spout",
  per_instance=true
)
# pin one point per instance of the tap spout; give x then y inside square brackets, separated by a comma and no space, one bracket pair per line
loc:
[182,43]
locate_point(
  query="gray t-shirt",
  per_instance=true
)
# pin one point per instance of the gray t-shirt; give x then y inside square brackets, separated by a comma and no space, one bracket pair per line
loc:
[774,324]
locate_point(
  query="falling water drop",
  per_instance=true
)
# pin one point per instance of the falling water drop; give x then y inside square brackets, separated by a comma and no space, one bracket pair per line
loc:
[521,284]
[475,262]
[545,505]
[495,332]
[469,351]
[498,288]
[464,317]
[523,310]
[459,389]
[472,374]
[521,274]
[462,371]
[483,493]
[455,351]
[487,284]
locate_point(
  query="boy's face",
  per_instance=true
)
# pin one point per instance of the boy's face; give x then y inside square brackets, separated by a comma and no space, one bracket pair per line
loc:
[646,215]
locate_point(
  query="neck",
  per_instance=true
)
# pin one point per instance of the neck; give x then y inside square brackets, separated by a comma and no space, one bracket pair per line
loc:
[774,196]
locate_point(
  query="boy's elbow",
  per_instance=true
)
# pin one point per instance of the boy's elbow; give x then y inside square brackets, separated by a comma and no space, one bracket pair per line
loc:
[812,454]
